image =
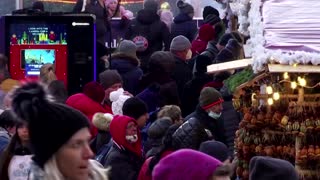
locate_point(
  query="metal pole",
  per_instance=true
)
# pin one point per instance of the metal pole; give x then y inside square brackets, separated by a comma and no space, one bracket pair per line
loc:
[19,4]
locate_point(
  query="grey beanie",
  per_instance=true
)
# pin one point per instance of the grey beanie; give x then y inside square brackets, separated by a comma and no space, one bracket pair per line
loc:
[128,47]
[215,149]
[109,77]
[180,43]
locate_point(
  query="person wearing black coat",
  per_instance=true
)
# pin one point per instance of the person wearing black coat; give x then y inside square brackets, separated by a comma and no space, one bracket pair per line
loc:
[204,123]
[192,88]
[180,49]
[125,156]
[126,62]
[183,23]
[148,32]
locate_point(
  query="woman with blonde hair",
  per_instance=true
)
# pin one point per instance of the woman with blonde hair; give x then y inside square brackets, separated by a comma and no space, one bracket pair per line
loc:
[48,73]
[59,137]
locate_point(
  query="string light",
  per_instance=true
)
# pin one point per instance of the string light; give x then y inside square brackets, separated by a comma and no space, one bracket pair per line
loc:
[302,82]
[270,101]
[294,85]
[276,96]
[286,75]
[269,90]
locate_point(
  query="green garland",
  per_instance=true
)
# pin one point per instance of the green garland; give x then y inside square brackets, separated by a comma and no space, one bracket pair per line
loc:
[239,78]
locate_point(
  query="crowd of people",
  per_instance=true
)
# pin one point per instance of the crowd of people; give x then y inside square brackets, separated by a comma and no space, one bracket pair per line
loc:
[155,112]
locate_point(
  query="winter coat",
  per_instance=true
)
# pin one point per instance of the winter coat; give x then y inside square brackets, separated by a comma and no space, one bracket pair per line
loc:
[211,51]
[149,25]
[185,26]
[87,106]
[4,139]
[182,74]
[100,14]
[191,93]
[128,68]
[198,127]
[125,164]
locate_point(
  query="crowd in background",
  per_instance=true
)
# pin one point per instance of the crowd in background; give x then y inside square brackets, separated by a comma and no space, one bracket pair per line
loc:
[155,112]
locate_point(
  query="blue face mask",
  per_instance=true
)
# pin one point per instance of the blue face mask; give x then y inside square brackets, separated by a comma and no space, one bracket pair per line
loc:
[214,115]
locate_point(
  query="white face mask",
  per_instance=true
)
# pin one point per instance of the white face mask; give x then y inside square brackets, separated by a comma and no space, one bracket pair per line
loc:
[132,138]
[189,55]
[214,115]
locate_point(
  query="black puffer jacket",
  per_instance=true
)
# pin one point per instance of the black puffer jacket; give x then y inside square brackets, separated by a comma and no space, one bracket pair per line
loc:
[149,25]
[199,127]
[125,165]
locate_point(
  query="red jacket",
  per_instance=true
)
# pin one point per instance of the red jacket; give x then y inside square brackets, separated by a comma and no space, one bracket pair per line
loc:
[88,107]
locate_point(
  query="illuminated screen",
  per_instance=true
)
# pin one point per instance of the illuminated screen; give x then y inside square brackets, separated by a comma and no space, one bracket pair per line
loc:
[33,59]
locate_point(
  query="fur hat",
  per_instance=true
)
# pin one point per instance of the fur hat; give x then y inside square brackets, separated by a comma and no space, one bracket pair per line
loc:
[180,43]
[185,8]
[109,77]
[118,98]
[209,97]
[210,10]
[102,121]
[107,2]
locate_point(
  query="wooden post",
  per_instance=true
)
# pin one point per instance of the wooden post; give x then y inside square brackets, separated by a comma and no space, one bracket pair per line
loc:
[300,95]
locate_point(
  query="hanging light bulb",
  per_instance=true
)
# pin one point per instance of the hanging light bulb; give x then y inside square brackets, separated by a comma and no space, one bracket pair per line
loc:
[269,90]
[294,85]
[302,82]
[276,96]
[286,75]
[270,101]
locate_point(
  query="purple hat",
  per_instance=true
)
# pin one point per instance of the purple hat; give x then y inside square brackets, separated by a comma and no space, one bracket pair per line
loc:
[185,164]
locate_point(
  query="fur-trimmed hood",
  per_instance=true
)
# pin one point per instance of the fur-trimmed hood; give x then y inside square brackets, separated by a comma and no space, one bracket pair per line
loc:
[122,56]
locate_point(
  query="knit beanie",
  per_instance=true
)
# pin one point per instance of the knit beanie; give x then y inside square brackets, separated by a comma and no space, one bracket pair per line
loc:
[94,91]
[159,128]
[109,77]
[265,168]
[134,107]
[185,8]
[151,5]
[51,125]
[209,97]
[215,149]
[210,10]
[180,43]
[118,98]
[185,164]
[128,47]
[212,19]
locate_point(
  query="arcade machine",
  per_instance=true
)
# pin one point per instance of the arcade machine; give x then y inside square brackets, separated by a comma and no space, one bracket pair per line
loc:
[68,41]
